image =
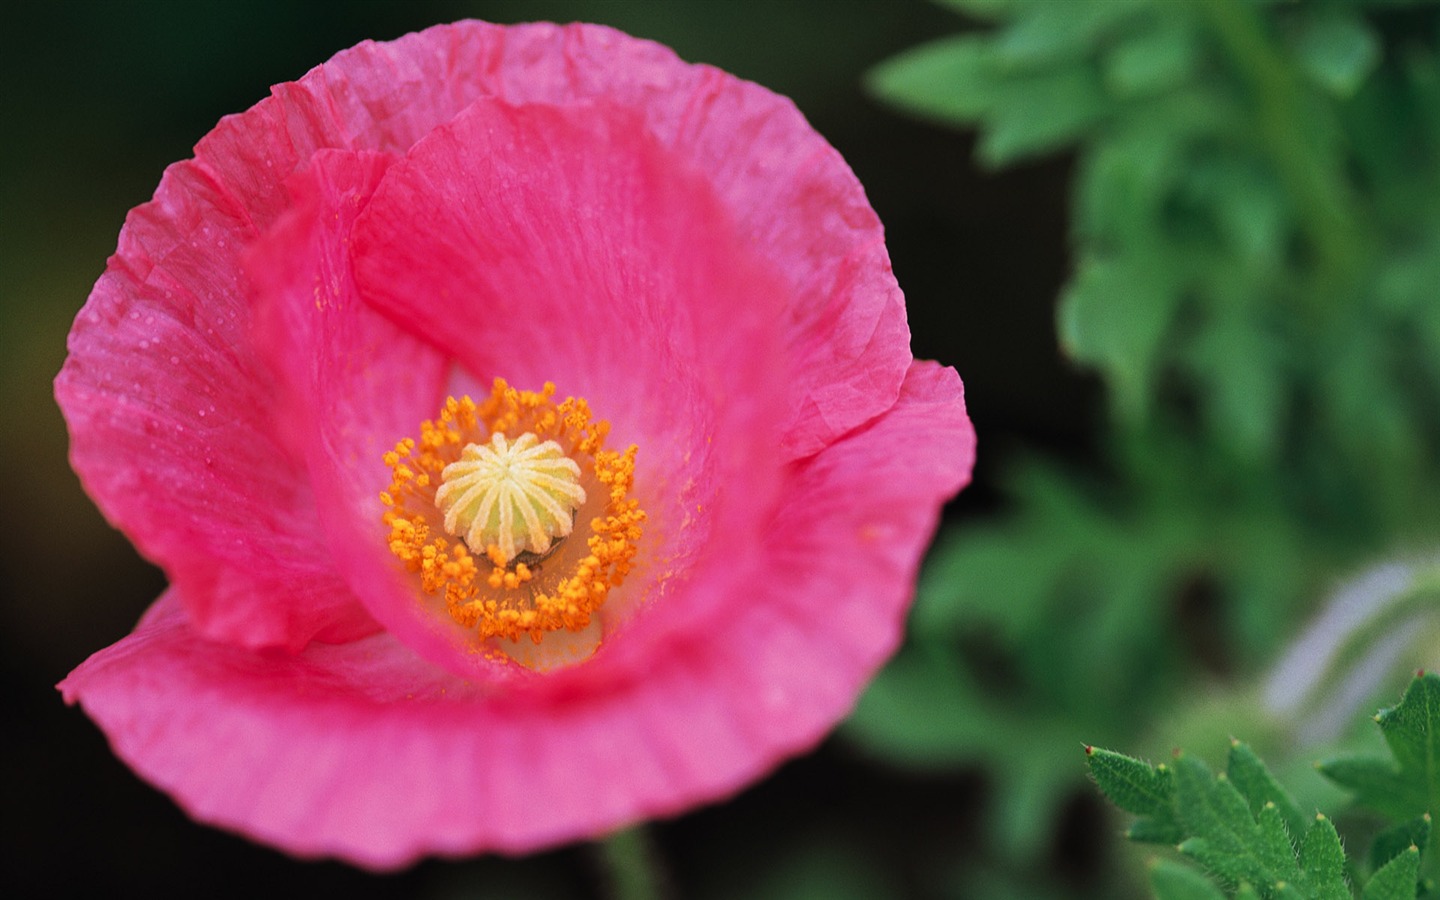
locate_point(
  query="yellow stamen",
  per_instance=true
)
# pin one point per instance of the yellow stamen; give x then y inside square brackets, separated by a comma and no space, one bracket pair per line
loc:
[542,510]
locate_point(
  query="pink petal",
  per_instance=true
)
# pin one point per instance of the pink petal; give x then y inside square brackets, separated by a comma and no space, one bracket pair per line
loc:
[564,244]
[171,431]
[363,751]
[366,752]
[674,244]
[210,504]
[793,198]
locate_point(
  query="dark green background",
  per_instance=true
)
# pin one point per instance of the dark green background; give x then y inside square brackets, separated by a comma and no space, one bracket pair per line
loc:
[99,97]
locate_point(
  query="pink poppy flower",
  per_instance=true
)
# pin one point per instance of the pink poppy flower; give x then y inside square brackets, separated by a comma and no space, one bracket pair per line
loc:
[416,610]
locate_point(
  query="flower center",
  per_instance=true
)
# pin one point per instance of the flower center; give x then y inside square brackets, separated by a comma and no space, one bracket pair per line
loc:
[517,496]
[513,513]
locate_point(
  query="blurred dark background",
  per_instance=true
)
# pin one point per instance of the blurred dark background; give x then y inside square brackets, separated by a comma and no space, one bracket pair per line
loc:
[97,98]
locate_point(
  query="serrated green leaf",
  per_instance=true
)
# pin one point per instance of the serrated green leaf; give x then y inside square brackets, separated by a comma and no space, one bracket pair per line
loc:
[1173,881]
[1411,729]
[1155,831]
[1394,841]
[1322,862]
[1397,880]
[1255,783]
[1131,784]
[1227,839]
[1139,788]
[1274,849]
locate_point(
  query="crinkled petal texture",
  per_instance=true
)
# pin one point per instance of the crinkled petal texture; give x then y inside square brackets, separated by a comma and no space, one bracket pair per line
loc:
[412,219]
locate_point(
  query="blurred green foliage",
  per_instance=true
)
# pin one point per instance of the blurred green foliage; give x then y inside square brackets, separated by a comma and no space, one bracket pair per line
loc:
[1256,249]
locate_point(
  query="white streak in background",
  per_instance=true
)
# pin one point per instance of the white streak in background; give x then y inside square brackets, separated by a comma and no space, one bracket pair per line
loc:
[1310,657]
[1328,720]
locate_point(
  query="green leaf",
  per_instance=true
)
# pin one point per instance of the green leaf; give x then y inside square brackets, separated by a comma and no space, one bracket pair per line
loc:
[1338,50]
[1047,34]
[1259,787]
[1153,62]
[1227,841]
[925,712]
[1237,832]
[1239,364]
[1131,784]
[1375,783]
[1137,787]
[954,79]
[1114,316]
[1275,849]
[918,712]
[1411,729]
[1322,862]
[1397,880]
[1394,841]
[1042,113]
[1173,881]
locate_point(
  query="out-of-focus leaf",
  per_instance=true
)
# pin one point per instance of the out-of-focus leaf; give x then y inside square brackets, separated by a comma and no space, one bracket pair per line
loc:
[1375,783]
[953,79]
[821,871]
[1153,62]
[1046,111]
[1250,217]
[1049,34]
[1114,316]
[1257,281]
[921,711]
[1239,365]
[1338,50]
[1173,881]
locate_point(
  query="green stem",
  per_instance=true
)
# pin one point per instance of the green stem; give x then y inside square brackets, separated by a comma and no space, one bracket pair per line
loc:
[632,868]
